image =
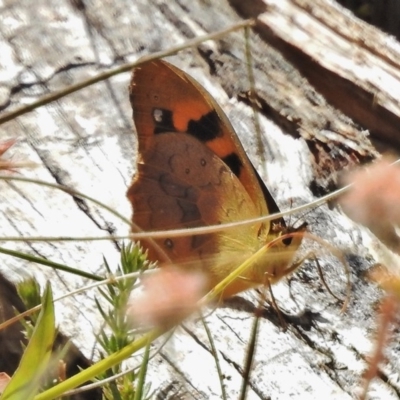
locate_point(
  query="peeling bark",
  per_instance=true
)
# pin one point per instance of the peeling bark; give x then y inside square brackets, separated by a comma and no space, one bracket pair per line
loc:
[327,92]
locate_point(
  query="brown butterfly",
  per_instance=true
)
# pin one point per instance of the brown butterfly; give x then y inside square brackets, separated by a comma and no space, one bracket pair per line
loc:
[194,172]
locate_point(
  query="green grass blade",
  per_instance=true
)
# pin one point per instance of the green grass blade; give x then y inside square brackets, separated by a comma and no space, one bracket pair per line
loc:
[52,264]
[101,366]
[140,385]
[26,380]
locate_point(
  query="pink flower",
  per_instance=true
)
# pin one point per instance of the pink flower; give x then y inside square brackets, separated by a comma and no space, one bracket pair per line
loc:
[9,165]
[169,295]
[374,200]
[4,146]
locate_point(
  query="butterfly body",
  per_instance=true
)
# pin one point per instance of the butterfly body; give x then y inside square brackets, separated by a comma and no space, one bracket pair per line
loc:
[193,172]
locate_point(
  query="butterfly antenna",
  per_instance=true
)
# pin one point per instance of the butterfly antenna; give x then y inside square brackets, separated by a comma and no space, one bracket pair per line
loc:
[290,225]
[290,216]
[302,217]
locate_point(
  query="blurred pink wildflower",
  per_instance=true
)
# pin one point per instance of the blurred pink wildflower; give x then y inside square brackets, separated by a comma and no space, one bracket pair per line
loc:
[9,165]
[169,295]
[374,200]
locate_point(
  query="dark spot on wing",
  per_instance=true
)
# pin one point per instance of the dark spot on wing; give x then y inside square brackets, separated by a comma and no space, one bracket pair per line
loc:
[233,162]
[171,187]
[169,243]
[287,241]
[206,128]
[163,120]
[199,240]
[190,211]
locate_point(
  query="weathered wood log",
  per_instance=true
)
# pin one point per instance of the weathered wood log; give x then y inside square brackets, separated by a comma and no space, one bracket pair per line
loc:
[326,84]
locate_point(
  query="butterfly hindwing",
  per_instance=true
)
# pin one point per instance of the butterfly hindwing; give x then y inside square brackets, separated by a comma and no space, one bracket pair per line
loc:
[182,184]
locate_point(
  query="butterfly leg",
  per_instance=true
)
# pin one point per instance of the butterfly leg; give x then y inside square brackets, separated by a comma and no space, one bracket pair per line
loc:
[275,306]
[313,256]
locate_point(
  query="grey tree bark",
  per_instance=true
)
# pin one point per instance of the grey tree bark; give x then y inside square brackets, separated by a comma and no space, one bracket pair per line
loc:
[327,92]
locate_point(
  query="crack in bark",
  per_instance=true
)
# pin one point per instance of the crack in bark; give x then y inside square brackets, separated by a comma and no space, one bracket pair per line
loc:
[81,204]
[183,376]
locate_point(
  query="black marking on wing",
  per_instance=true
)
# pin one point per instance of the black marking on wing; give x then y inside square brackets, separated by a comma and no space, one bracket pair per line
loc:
[233,162]
[162,120]
[173,188]
[199,240]
[169,244]
[185,198]
[287,241]
[206,128]
[190,211]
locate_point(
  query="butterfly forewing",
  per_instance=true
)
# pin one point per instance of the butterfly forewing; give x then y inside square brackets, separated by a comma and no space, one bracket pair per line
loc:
[165,99]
